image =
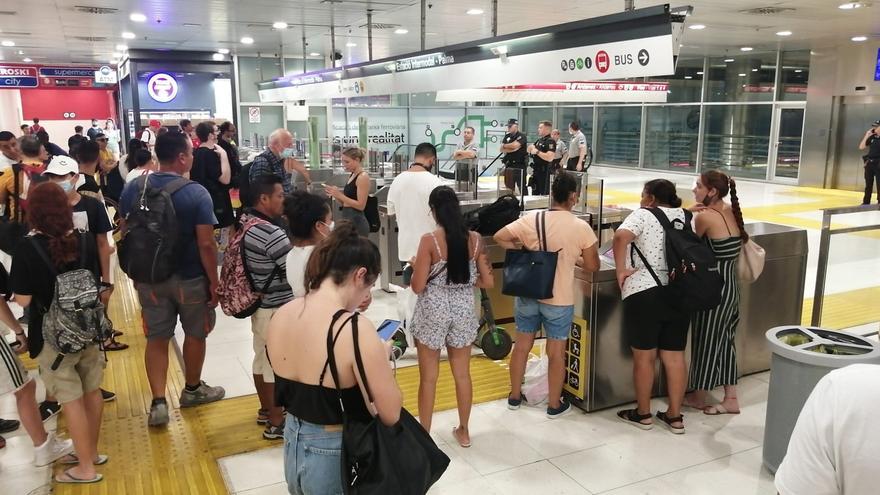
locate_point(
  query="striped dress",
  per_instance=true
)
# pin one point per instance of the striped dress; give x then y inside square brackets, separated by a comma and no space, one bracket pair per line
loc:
[713,347]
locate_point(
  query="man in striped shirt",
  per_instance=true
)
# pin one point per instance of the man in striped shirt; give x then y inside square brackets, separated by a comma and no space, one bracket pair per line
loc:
[265,246]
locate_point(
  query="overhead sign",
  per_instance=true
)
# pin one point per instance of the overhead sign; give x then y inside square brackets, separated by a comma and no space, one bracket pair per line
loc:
[14,76]
[67,72]
[587,91]
[162,87]
[619,46]
[105,75]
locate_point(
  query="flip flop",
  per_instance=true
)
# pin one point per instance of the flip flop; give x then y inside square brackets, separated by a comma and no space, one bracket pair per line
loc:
[71,459]
[115,346]
[717,410]
[73,479]
[463,445]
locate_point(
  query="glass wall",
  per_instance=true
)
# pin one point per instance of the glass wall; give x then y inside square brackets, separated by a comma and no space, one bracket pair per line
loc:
[671,138]
[737,139]
[743,77]
[531,117]
[618,138]
[794,76]
[583,115]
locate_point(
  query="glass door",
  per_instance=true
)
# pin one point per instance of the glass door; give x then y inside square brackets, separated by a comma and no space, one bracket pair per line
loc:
[787,143]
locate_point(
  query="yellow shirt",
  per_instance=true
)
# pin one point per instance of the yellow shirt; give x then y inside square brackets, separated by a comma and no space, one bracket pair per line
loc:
[7,184]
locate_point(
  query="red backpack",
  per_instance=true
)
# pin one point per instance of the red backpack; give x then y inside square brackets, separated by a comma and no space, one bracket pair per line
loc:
[238,296]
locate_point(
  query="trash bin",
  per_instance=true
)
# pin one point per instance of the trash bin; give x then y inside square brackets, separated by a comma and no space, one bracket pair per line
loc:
[801,356]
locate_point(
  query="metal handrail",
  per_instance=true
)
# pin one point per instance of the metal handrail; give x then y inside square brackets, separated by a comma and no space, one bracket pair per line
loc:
[825,247]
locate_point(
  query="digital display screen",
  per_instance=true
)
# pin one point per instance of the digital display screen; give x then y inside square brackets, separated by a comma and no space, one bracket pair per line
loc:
[877,67]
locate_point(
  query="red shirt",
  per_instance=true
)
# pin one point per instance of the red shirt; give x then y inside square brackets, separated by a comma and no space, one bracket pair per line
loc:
[35,128]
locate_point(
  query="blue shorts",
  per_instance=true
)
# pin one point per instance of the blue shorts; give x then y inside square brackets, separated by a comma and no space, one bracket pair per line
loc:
[532,314]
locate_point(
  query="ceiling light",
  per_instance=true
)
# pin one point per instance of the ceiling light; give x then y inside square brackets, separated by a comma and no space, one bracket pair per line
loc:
[697,27]
[688,77]
[754,70]
[746,49]
[742,74]
[26,60]
[859,38]
[849,5]
[351,45]
[247,40]
[401,31]
[217,56]
[7,43]
[798,71]
[279,25]
[223,51]
[137,17]
[21,52]
[474,12]
[122,48]
[499,50]
[314,54]
[128,35]
[700,73]
[784,33]
[729,60]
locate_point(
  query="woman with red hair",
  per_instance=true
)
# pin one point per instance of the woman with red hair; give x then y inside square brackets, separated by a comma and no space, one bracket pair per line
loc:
[76,381]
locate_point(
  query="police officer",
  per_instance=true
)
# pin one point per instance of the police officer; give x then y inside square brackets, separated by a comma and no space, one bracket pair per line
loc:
[465,156]
[543,153]
[871,142]
[561,150]
[514,148]
[577,148]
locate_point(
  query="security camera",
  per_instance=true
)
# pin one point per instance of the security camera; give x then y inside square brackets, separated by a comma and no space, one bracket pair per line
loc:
[337,55]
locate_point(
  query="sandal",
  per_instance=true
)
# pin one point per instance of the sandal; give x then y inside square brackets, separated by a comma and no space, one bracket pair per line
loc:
[69,478]
[73,459]
[117,333]
[678,430]
[633,417]
[455,431]
[115,346]
[717,410]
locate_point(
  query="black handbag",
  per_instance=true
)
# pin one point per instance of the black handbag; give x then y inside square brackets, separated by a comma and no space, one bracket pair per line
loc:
[530,274]
[379,459]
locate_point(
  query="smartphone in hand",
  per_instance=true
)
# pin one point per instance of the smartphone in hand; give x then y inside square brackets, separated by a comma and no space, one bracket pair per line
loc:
[387,329]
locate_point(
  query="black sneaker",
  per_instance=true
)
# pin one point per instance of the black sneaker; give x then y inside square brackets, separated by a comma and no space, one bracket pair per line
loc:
[107,395]
[49,409]
[273,432]
[8,425]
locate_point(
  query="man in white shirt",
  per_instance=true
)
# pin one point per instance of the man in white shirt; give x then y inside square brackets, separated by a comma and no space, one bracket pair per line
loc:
[150,134]
[835,444]
[408,201]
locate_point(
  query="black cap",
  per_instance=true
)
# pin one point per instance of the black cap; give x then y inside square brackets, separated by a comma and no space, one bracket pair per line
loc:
[876,123]
[100,135]
[512,122]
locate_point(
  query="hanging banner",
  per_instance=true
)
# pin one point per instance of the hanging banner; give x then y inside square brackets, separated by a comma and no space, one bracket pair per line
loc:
[16,76]
[648,92]
[620,46]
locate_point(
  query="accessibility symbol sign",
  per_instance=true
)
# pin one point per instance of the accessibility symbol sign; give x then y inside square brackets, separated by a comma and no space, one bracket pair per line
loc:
[644,57]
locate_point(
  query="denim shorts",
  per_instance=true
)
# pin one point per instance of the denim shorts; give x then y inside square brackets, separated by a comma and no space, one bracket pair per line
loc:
[312,457]
[532,314]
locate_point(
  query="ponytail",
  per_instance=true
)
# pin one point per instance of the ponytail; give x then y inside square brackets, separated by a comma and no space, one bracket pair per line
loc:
[444,202]
[341,253]
[737,211]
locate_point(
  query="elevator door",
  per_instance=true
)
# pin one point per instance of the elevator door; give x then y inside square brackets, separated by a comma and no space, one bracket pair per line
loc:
[856,116]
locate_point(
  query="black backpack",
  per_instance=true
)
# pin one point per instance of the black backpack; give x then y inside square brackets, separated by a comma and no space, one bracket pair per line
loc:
[695,282]
[244,185]
[146,250]
[489,219]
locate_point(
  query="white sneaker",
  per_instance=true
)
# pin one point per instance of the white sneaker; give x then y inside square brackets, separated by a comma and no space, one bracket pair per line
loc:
[52,450]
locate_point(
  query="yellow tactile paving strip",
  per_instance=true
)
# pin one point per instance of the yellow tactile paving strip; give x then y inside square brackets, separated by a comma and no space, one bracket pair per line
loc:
[183,458]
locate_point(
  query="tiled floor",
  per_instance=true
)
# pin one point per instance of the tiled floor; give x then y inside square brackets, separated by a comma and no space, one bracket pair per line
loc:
[523,452]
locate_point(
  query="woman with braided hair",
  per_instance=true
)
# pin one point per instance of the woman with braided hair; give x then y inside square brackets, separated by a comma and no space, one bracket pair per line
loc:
[713,347]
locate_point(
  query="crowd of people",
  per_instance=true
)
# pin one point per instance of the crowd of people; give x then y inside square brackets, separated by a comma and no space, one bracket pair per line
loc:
[291,270]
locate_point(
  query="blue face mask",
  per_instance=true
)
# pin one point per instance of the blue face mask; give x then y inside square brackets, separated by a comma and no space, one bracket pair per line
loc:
[287,153]
[67,186]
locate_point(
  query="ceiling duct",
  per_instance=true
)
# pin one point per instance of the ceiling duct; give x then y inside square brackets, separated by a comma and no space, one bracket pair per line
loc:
[91,39]
[95,10]
[378,25]
[768,10]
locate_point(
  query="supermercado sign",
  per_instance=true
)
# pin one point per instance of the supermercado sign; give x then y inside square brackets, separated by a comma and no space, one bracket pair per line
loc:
[586,91]
[14,76]
[643,57]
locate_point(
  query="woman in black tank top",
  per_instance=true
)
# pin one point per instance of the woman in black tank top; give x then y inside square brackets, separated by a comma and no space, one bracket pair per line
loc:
[339,276]
[353,197]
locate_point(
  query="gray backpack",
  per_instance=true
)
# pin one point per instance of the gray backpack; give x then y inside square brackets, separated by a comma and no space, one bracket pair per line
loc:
[75,318]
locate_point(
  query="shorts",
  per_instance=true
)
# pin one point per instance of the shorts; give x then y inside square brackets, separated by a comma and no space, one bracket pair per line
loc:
[531,314]
[77,375]
[312,455]
[259,325]
[13,376]
[652,321]
[164,302]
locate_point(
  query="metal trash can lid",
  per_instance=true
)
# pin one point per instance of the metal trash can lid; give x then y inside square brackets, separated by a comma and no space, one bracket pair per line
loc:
[822,347]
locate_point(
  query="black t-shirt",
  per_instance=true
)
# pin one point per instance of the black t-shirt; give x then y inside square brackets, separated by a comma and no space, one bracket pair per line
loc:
[206,171]
[873,147]
[91,185]
[234,162]
[74,142]
[90,215]
[31,277]
[516,158]
[543,145]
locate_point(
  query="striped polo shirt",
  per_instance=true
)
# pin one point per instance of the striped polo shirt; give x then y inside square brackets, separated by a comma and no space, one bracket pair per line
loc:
[265,248]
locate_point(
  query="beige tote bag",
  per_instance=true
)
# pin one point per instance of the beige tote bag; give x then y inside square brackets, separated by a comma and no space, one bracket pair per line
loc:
[751,262]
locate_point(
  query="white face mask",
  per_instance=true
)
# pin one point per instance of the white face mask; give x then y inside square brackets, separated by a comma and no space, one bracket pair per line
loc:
[330,226]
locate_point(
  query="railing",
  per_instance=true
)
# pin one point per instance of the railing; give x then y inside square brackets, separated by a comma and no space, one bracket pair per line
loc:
[825,248]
